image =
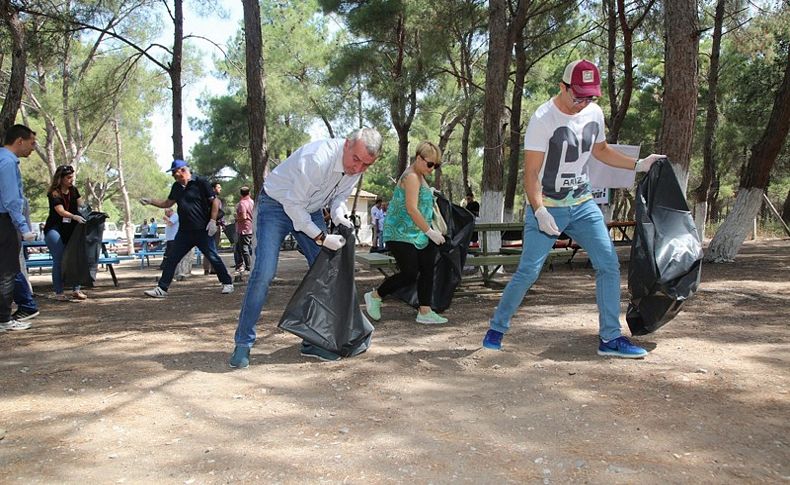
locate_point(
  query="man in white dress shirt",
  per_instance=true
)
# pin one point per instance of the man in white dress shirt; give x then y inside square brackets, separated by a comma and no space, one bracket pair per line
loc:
[317,175]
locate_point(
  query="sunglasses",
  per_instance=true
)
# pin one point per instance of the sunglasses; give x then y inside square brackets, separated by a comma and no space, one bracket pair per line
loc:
[430,164]
[66,169]
[589,99]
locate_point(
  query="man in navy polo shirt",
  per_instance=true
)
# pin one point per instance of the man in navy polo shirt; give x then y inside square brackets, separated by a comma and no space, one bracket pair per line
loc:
[198,209]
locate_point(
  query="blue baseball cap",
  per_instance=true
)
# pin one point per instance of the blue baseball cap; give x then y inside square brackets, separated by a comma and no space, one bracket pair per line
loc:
[176,165]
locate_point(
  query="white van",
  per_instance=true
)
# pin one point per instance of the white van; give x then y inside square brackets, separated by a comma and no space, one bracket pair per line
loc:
[111,231]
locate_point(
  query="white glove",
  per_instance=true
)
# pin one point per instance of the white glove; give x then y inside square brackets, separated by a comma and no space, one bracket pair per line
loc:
[78,218]
[145,201]
[546,222]
[339,217]
[644,164]
[29,236]
[334,242]
[435,236]
[211,227]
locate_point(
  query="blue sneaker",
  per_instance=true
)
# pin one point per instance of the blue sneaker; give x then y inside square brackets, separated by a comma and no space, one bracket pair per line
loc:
[310,350]
[493,340]
[621,347]
[240,358]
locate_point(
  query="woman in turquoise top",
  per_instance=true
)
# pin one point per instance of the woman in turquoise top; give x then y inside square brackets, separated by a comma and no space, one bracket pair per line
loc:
[410,238]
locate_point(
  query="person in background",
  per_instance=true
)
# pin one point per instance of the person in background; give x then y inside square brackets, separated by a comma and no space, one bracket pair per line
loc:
[217,188]
[198,209]
[410,237]
[171,229]
[152,228]
[561,136]
[320,174]
[382,219]
[473,206]
[375,215]
[18,141]
[144,229]
[244,208]
[64,202]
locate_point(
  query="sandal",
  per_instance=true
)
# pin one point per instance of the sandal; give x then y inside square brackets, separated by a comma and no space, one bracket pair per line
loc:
[78,295]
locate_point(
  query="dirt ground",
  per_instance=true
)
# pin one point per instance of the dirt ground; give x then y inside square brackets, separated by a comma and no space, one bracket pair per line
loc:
[127,389]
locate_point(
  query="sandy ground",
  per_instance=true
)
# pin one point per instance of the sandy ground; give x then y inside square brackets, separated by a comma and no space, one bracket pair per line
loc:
[125,389]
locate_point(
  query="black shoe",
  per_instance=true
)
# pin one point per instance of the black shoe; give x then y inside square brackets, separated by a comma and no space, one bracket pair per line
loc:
[310,350]
[22,315]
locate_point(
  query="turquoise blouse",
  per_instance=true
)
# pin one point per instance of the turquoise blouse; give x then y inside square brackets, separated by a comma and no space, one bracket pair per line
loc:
[399,226]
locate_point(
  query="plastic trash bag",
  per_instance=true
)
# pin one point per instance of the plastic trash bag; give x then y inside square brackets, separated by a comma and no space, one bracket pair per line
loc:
[324,310]
[666,254]
[81,255]
[450,259]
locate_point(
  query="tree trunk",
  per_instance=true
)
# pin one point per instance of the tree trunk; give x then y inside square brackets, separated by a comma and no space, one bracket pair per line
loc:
[444,138]
[16,83]
[127,206]
[256,93]
[680,85]
[496,81]
[786,209]
[701,193]
[175,80]
[465,150]
[754,179]
[514,157]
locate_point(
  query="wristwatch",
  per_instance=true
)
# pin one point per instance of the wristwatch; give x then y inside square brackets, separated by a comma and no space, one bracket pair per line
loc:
[320,238]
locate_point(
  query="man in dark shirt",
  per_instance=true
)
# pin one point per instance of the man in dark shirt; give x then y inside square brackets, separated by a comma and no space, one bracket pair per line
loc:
[473,206]
[198,209]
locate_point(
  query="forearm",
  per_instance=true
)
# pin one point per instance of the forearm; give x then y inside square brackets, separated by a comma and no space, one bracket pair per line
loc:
[161,203]
[608,155]
[214,209]
[418,219]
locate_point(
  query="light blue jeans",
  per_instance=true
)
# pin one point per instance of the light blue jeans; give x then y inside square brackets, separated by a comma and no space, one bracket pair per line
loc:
[56,249]
[272,226]
[584,223]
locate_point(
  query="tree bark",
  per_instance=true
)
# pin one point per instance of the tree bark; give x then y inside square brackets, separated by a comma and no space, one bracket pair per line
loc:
[16,84]
[127,206]
[174,71]
[680,81]
[256,93]
[496,80]
[754,179]
[702,192]
[467,124]
[514,156]
[786,209]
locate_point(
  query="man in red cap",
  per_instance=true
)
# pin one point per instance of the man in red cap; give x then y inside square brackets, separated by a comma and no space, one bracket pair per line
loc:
[560,137]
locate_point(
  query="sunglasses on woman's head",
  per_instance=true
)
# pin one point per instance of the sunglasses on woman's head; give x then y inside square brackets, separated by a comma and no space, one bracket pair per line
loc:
[66,169]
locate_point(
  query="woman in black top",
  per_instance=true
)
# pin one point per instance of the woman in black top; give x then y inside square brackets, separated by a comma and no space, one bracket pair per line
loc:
[64,200]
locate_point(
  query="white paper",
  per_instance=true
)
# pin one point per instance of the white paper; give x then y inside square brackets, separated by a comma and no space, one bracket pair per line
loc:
[605,176]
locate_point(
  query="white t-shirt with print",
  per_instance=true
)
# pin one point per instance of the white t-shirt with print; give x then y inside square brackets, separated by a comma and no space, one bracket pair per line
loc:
[566,142]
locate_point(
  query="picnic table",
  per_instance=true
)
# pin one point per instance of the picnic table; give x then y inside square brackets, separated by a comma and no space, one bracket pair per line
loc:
[44,260]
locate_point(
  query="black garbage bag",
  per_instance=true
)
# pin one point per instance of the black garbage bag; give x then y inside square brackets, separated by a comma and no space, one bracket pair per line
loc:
[450,259]
[324,310]
[230,232]
[81,255]
[666,253]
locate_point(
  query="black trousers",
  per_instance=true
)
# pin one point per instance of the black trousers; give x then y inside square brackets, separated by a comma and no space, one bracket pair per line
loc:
[185,240]
[413,265]
[9,264]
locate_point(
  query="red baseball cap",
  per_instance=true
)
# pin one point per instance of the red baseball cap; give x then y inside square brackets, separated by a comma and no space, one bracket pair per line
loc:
[583,77]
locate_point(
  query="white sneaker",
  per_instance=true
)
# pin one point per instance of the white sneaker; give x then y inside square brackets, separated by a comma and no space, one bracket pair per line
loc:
[156,292]
[12,325]
[227,289]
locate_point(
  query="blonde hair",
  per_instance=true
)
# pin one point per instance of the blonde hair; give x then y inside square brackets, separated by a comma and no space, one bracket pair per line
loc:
[427,148]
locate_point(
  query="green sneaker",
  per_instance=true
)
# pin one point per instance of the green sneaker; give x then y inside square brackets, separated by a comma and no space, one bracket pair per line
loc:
[430,318]
[373,306]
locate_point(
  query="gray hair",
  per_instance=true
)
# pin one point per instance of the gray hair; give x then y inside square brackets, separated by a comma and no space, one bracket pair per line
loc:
[370,137]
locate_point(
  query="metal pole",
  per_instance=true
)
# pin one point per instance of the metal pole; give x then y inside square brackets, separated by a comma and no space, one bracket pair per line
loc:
[776,213]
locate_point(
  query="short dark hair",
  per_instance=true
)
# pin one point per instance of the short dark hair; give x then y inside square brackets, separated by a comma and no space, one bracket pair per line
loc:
[379,200]
[17,131]
[470,194]
[244,191]
[214,183]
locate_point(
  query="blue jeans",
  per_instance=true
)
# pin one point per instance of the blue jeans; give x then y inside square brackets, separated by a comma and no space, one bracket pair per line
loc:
[272,226]
[56,248]
[585,224]
[185,240]
[23,297]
